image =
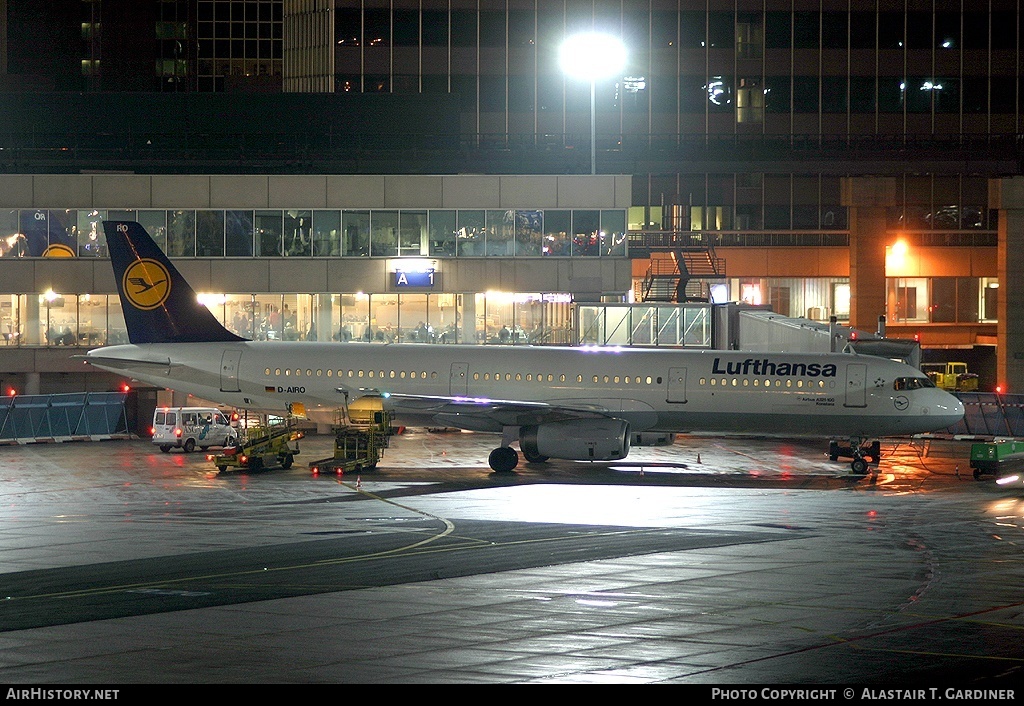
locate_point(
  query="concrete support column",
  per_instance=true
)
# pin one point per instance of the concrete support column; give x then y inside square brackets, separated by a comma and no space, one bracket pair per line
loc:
[867,199]
[322,318]
[467,327]
[31,327]
[1007,195]
[31,383]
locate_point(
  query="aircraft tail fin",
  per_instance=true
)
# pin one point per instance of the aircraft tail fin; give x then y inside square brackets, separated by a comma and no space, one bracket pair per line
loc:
[159,305]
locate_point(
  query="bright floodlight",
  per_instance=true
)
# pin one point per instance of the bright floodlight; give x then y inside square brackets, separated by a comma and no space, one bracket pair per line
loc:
[592,55]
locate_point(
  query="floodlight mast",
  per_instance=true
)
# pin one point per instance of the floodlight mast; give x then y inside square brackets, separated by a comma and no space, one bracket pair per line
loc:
[590,56]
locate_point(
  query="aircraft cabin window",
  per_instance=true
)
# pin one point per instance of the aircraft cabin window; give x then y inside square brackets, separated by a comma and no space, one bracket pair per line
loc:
[267,371]
[433,375]
[309,372]
[287,372]
[277,371]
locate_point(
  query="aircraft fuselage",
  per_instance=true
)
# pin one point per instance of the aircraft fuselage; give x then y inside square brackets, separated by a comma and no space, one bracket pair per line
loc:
[662,390]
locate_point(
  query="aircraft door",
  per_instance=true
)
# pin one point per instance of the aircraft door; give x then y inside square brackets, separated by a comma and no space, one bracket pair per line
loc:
[458,384]
[856,391]
[677,385]
[229,371]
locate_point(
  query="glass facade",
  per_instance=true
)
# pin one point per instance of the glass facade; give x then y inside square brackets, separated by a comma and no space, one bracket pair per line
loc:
[328,233]
[53,319]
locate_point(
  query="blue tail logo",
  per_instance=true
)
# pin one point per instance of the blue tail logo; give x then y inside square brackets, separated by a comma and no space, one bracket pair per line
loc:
[158,304]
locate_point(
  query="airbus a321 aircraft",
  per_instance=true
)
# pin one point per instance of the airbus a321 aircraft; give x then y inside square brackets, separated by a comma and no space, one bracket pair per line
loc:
[576,403]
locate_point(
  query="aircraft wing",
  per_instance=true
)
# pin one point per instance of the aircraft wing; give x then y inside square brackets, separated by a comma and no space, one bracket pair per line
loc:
[483,413]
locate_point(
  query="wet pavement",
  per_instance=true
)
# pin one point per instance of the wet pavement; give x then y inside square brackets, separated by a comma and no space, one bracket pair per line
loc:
[710,561]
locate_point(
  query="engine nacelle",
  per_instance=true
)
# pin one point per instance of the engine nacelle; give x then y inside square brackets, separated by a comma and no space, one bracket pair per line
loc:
[577,440]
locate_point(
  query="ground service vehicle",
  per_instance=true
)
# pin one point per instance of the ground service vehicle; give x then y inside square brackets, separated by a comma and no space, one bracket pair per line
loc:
[262,446]
[953,377]
[359,443]
[189,427]
[1002,458]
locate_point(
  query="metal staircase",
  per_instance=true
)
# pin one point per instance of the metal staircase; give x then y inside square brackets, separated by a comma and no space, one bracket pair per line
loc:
[682,265]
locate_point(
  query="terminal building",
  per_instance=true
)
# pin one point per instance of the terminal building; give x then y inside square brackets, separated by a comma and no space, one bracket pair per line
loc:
[423,172]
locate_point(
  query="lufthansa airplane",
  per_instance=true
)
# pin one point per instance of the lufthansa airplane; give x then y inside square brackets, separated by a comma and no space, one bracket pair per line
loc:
[576,403]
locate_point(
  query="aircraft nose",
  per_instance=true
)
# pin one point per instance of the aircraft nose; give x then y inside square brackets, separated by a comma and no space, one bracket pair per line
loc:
[949,407]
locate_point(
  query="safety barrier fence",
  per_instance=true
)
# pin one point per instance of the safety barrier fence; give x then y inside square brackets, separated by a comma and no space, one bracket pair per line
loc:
[988,414]
[86,416]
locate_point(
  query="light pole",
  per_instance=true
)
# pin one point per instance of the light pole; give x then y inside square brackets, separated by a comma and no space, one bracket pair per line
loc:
[590,56]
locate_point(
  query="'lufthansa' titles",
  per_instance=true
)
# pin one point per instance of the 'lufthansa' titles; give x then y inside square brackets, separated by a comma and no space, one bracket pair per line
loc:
[766,366]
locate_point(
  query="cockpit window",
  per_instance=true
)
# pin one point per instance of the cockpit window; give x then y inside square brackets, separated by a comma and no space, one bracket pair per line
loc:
[912,383]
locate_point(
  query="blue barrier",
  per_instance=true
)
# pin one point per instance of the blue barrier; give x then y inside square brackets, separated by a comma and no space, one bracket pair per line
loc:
[65,417]
[988,414]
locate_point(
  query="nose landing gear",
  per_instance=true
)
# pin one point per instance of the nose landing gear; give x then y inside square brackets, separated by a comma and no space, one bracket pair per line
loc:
[862,454]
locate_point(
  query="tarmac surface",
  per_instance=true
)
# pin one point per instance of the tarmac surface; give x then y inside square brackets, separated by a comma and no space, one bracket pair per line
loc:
[711,561]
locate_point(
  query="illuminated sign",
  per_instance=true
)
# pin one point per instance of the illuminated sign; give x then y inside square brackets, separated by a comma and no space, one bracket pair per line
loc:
[425,279]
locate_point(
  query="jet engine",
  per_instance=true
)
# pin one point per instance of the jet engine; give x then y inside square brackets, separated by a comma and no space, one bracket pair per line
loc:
[576,440]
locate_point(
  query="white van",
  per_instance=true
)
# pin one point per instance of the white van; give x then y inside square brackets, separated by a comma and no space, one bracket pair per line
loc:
[189,427]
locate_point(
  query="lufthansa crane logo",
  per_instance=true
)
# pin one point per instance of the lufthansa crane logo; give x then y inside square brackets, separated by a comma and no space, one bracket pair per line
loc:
[901,402]
[146,284]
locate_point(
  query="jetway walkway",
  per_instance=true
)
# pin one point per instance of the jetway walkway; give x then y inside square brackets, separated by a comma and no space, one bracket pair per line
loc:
[86,416]
[990,415]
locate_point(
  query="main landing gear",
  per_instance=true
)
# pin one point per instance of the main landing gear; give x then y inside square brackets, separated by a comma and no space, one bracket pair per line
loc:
[861,453]
[503,459]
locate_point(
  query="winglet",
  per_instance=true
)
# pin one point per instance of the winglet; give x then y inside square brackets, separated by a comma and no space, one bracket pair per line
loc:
[159,305]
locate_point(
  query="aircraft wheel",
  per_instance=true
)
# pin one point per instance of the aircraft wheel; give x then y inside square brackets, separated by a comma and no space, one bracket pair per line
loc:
[190,445]
[165,448]
[503,459]
[859,466]
[833,451]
